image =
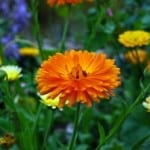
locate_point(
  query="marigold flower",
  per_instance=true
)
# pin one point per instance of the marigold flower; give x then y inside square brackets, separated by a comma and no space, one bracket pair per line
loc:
[136,56]
[13,72]
[146,103]
[134,38]
[147,69]
[50,102]
[29,51]
[63,2]
[7,140]
[78,76]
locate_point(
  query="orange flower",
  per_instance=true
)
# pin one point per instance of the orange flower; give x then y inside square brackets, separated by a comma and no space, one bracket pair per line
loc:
[78,76]
[63,2]
[136,56]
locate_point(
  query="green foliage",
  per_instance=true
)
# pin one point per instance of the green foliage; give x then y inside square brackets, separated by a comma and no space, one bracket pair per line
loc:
[120,123]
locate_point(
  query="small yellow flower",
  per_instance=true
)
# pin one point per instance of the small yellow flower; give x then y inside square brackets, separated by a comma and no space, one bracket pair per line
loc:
[29,51]
[13,72]
[136,56]
[146,103]
[7,140]
[134,38]
[49,102]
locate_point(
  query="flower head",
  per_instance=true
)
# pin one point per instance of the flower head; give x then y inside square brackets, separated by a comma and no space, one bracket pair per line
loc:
[147,69]
[63,2]
[11,51]
[78,76]
[13,72]
[29,51]
[7,140]
[50,102]
[136,56]
[134,38]
[146,103]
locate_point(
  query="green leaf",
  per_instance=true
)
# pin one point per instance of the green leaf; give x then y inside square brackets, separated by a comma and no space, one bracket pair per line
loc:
[138,144]
[101,133]
[2,74]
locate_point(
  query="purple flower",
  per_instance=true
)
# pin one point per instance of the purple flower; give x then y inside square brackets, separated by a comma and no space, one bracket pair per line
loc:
[4,7]
[6,39]
[109,12]
[12,51]
[21,16]
[16,18]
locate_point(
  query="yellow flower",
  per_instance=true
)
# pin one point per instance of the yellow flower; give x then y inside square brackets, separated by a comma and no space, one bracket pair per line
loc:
[147,69]
[134,38]
[29,51]
[49,101]
[7,140]
[136,56]
[13,72]
[146,103]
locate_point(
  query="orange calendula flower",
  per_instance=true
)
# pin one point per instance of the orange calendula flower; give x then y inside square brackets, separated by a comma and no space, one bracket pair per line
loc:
[63,2]
[78,76]
[136,56]
[134,38]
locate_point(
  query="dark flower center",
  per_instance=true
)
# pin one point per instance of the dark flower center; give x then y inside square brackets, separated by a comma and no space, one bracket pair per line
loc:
[77,72]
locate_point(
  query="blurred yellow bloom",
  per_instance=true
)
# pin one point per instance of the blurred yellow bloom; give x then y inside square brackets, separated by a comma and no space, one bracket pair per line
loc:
[146,103]
[136,56]
[134,38]
[147,69]
[7,140]
[49,101]
[29,51]
[13,72]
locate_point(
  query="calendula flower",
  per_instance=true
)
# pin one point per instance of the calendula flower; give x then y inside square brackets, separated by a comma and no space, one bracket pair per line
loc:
[63,2]
[78,76]
[7,140]
[147,69]
[136,56]
[29,51]
[146,103]
[134,38]
[50,102]
[13,72]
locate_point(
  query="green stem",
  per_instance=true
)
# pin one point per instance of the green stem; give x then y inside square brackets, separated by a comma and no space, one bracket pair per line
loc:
[34,5]
[64,35]
[95,26]
[76,121]
[124,116]
[37,117]
[49,123]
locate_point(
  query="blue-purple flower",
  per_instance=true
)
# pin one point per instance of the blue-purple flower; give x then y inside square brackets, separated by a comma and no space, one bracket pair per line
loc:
[15,16]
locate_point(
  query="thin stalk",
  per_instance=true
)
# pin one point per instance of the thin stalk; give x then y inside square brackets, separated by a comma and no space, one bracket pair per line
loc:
[64,35]
[49,123]
[34,9]
[76,122]
[95,26]
[37,117]
[123,117]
